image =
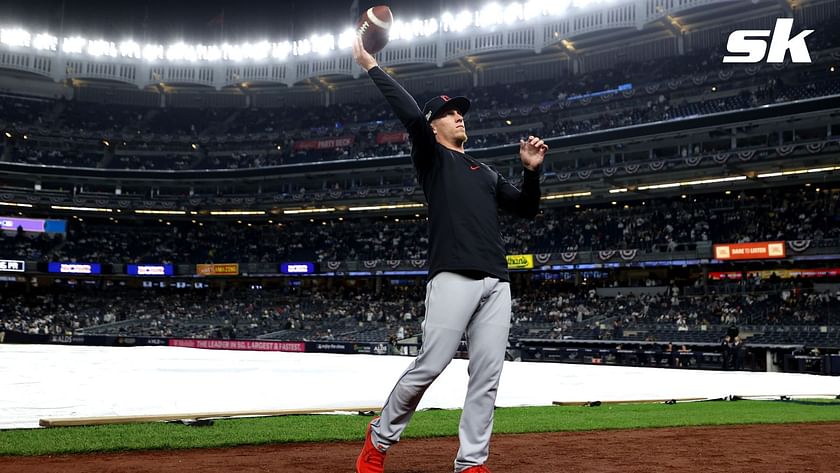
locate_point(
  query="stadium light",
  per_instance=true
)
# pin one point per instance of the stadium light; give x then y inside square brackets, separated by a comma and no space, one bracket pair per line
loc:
[430,26]
[302,47]
[399,30]
[308,211]
[256,51]
[322,44]
[385,207]
[697,182]
[513,13]
[456,23]
[416,28]
[346,38]
[534,8]
[160,212]
[81,209]
[15,37]
[447,22]
[557,7]
[237,212]
[464,20]
[232,52]
[489,16]
[798,171]
[588,3]
[73,45]
[152,52]
[100,47]
[617,191]
[282,50]
[15,204]
[413,29]
[566,196]
[130,49]
[181,52]
[208,53]
[45,42]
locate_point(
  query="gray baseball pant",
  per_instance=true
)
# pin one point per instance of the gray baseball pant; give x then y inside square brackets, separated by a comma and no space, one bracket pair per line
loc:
[455,304]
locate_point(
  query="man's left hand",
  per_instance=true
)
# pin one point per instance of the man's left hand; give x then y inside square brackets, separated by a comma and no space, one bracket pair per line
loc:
[532,152]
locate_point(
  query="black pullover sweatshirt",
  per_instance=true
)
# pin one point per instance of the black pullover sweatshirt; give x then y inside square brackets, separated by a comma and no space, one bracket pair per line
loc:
[464,195]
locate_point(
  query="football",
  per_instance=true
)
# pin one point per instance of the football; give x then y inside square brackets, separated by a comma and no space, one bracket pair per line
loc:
[373,27]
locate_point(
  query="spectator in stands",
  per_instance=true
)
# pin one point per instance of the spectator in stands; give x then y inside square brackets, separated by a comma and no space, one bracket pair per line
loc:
[726,353]
[738,353]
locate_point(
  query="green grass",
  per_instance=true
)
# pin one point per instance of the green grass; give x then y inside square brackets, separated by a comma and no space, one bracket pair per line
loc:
[436,423]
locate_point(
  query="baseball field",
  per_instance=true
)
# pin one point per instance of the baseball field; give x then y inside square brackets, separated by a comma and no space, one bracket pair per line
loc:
[725,435]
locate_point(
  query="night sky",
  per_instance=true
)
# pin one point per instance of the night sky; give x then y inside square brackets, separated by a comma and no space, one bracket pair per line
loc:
[166,21]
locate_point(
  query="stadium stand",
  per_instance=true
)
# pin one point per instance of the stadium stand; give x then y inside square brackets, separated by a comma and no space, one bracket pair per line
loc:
[652,226]
[79,158]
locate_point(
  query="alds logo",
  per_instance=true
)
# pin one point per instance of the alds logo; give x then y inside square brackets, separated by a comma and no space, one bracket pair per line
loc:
[753,50]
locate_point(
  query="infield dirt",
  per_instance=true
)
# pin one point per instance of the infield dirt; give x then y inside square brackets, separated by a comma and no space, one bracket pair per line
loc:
[794,448]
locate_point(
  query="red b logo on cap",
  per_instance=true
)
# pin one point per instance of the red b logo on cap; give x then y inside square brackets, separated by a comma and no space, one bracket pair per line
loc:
[445,98]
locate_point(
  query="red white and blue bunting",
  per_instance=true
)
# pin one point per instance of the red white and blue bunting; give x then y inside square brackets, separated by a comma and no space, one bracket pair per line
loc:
[693,160]
[721,158]
[542,258]
[799,245]
[606,254]
[628,255]
[815,148]
[785,150]
[568,256]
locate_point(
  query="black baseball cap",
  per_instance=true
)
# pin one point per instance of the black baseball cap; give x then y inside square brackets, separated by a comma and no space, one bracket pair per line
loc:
[437,105]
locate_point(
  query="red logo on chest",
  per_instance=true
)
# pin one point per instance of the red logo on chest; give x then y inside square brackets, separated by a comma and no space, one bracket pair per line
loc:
[474,168]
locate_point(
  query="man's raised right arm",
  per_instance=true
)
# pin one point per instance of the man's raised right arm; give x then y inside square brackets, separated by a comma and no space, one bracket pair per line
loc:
[403,104]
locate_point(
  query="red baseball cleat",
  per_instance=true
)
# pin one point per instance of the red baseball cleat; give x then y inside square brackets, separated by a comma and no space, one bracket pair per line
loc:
[477,469]
[371,459]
